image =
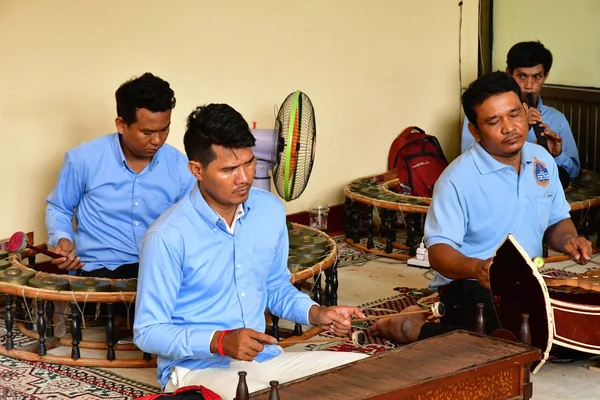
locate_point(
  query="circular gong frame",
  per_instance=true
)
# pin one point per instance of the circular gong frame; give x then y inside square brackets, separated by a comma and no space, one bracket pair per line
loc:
[38,294]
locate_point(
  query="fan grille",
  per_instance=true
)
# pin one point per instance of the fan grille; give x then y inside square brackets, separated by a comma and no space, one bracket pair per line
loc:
[296,126]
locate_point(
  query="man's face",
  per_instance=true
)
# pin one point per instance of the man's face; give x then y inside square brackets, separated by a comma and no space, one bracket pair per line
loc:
[147,134]
[226,181]
[502,125]
[530,79]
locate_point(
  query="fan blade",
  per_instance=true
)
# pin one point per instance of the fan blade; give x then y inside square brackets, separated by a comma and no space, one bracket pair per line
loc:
[291,150]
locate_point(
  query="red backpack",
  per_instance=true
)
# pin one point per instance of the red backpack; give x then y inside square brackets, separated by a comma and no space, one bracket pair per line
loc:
[419,160]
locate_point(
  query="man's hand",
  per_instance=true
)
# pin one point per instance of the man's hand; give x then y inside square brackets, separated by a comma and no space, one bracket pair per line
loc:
[482,272]
[554,141]
[334,318]
[579,249]
[69,262]
[241,344]
[534,116]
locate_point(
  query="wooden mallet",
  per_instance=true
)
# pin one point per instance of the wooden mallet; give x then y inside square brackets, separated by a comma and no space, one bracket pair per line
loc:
[358,338]
[18,243]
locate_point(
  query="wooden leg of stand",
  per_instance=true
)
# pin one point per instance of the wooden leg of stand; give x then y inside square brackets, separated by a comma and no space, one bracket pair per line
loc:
[348,217]
[369,224]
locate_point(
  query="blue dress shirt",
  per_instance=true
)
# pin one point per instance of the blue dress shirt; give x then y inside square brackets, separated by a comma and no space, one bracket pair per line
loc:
[568,159]
[114,205]
[478,201]
[196,278]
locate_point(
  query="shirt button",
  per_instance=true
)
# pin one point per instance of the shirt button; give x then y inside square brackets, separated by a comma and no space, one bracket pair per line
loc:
[214,229]
[239,265]
[137,203]
[136,223]
[242,294]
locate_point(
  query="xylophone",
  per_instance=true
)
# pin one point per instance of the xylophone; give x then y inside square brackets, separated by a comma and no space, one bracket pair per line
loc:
[460,365]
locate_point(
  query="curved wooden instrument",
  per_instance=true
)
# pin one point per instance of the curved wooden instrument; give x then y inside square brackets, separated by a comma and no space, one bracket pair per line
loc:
[587,281]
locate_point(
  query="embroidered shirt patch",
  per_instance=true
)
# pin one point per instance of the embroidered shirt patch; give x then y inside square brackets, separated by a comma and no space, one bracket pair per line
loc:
[540,172]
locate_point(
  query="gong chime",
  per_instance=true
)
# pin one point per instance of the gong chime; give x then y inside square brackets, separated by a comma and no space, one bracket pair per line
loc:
[307,248]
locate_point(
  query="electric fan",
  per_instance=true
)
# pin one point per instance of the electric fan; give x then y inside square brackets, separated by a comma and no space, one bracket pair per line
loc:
[288,150]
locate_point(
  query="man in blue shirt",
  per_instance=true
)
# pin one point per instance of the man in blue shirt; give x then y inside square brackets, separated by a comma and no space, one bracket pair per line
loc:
[115,186]
[500,185]
[529,64]
[212,264]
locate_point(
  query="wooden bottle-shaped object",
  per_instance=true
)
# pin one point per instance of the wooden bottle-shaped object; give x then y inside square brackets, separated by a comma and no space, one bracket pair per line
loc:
[274,394]
[480,320]
[525,332]
[241,392]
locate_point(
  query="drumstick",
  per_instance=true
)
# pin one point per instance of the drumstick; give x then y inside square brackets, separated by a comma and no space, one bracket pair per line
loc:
[18,243]
[437,309]
[358,338]
[539,262]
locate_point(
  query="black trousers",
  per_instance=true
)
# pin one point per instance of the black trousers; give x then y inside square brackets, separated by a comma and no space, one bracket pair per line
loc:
[125,271]
[460,299]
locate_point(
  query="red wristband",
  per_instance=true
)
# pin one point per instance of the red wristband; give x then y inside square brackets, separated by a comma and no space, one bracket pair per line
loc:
[220,345]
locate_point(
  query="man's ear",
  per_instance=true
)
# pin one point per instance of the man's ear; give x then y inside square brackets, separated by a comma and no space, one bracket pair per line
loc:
[120,124]
[474,131]
[196,169]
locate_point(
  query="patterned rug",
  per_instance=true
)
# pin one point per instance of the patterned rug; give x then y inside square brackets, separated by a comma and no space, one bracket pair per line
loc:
[41,381]
[395,304]
[349,255]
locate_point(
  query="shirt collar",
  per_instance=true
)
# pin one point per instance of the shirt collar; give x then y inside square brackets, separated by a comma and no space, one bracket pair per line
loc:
[120,156]
[486,164]
[210,215]
[540,103]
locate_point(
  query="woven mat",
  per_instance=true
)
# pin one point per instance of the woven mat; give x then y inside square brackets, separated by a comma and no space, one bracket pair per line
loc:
[375,345]
[41,381]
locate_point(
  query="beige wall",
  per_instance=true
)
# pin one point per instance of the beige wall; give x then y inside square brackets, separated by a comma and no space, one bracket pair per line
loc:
[371,68]
[570,29]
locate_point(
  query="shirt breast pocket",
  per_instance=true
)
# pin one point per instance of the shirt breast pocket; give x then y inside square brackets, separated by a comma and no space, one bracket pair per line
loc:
[262,258]
[543,206]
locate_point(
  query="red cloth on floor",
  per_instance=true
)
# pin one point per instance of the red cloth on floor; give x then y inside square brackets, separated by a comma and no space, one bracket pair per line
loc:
[185,393]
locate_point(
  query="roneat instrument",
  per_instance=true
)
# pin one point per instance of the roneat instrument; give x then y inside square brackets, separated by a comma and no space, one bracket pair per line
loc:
[537,129]
[18,243]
